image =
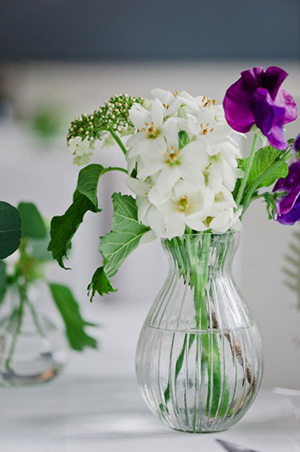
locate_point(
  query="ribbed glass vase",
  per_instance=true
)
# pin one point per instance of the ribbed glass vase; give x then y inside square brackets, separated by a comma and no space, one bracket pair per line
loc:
[199,359]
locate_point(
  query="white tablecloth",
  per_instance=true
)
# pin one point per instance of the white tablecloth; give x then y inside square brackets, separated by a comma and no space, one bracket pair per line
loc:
[85,410]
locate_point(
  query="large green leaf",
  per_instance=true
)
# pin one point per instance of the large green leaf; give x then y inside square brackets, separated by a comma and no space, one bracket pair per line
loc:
[264,159]
[64,227]
[70,312]
[10,229]
[33,223]
[116,246]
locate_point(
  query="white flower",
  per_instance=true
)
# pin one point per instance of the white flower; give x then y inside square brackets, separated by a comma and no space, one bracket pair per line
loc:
[223,220]
[151,129]
[221,170]
[187,163]
[81,150]
[187,206]
[170,101]
[183,180]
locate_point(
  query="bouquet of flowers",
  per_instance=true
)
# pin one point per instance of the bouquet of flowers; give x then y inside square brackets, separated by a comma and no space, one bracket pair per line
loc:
[184,166]
[199,360]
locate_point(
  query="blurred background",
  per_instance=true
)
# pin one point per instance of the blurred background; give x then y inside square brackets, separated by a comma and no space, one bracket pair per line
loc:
[60,58]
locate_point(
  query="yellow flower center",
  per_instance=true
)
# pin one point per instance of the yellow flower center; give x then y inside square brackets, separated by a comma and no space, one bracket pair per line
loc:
[205,129]
[151,130]
[183,204]
[172,156]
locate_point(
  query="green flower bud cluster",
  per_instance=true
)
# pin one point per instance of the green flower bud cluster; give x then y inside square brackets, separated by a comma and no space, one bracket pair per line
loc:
[112,116]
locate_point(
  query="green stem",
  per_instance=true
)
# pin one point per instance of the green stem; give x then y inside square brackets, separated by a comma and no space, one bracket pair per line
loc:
[36,320]
[118,141]
[115,168]
[247,172]
[19,314]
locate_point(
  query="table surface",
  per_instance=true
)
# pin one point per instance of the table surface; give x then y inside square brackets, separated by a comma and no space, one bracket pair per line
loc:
[88,409]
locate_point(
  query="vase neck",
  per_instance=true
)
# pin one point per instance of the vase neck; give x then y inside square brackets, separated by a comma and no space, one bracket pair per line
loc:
[212,253]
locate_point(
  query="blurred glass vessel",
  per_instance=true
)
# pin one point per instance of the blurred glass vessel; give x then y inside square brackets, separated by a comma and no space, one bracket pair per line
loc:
[32,348]
[199,358]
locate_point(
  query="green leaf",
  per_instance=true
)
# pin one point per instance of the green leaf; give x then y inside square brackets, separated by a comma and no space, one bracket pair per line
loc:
[10,229]
[38,248]
[263,159]
[118,244]
[183,139]
[74,323]
[100,283]
[64,227]
[33,223]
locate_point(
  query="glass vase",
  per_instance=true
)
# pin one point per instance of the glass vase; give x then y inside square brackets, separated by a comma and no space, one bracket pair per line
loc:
[32,348]
[199,359]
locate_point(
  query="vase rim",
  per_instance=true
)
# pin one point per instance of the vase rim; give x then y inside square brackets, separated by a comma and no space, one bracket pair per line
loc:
[201,234]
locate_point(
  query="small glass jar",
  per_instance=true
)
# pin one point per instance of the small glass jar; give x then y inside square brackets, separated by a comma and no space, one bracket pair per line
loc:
[32,348]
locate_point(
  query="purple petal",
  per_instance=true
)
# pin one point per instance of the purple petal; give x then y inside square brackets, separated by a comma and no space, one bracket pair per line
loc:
[291,180]
[285,100]
[287,202]
[238,107]
[269,118]
[272,79]
[292,216]
[296,145]
[252,79]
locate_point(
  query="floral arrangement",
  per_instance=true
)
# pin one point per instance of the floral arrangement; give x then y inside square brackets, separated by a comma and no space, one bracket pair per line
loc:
[184,166]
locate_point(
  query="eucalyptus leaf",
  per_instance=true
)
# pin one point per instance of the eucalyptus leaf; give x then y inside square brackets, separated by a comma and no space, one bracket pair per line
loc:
[64,227]
[118,244]
[33,223]
[10,229]
[74,323]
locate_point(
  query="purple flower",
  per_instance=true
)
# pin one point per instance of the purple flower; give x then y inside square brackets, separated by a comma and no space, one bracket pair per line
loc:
[288,206]
[257,99]
[296,145]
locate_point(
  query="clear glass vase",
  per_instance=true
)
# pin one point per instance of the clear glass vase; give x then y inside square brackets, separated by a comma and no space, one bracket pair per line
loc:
[32,348]
[199,358]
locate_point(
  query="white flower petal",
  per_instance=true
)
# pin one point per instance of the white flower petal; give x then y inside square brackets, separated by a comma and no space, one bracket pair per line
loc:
[138,187]
[157,113]
[167,179]
[148,237]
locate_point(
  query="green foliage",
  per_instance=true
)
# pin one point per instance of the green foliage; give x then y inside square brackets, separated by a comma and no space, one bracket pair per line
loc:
[47,122]
[10,229]
[100,283]
[33,223]
[118,244]
[38,247]
[70,312]
[291,268]
[183,139]
[264,159]
[113,115]
[269,165]
[64,227]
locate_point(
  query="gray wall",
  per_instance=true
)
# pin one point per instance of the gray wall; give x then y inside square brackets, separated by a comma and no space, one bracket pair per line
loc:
[139,29]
